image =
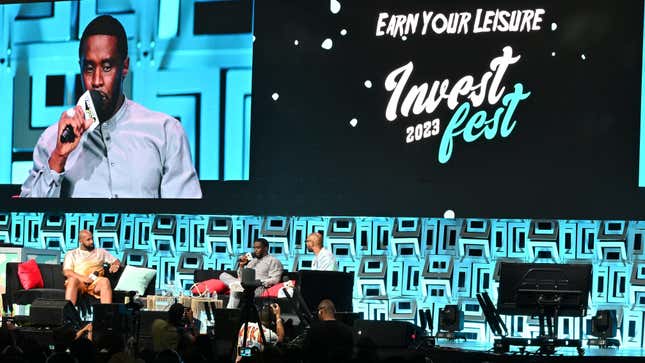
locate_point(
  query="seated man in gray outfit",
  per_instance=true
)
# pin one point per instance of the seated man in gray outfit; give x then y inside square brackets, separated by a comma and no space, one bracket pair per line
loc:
[268,270]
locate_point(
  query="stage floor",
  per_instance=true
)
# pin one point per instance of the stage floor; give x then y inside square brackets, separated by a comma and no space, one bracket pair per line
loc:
[457,352]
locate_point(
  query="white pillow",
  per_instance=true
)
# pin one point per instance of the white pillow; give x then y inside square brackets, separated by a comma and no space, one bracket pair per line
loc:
[135,279]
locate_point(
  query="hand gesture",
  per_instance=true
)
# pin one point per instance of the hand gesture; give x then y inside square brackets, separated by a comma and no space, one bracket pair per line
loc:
[114,267]
[243,260]
[276,310]
[79,124]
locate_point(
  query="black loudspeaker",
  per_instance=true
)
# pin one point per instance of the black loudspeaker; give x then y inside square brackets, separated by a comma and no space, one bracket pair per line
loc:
[44,312]
[386,334]
[227,323]
[111,319]
[348,318]
[451,319]
[604,324]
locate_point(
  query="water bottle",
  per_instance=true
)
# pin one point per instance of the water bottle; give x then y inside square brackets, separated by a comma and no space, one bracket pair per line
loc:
[170,288]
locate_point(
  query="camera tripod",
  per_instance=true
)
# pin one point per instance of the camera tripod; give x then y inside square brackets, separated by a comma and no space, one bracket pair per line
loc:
[249,313]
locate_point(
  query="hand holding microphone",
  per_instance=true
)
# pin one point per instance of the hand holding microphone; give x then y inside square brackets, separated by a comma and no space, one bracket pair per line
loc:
[91,102]
[245,258]
[72,124]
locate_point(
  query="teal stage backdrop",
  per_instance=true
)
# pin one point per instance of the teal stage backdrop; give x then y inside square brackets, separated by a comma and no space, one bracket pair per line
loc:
[400,265]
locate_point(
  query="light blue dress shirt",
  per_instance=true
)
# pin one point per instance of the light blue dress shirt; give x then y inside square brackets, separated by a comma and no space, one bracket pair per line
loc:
[324,261]
[138,153]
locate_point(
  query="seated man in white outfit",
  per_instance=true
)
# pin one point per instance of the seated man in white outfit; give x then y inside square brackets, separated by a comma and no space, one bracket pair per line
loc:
[324,260]
[83,268]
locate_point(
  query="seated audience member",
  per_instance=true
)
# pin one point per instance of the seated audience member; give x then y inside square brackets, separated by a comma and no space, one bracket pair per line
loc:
[177,333]
[83,350]
[324,259]
[268,270]
[328,340]
[253,336]
[83,268]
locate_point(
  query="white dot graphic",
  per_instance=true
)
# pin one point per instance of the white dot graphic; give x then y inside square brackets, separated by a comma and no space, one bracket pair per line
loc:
[449,214]
[552,54]
[343,32]
[334,6]
[584,57]
[368,84]
[327,44]
[554,26]
[275,96]
[296,42]
[353,122]
[404,38]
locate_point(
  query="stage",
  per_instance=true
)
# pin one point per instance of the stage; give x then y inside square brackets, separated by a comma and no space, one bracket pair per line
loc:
[470,352]
[458,355]
[443,352]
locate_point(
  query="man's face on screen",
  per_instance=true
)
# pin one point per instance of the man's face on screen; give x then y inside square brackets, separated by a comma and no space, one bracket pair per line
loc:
[103,70]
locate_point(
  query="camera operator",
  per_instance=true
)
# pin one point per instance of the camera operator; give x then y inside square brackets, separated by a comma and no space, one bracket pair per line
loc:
[254,345]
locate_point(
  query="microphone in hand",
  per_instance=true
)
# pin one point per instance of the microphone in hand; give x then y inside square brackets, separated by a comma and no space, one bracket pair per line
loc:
[67,135]
[92,104]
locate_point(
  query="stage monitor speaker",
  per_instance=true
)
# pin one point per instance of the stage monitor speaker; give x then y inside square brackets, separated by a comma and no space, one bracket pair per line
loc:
[604,324]
[227,323]
[45,312]
[348,318]
[110,319]
[386,334]
[451,319]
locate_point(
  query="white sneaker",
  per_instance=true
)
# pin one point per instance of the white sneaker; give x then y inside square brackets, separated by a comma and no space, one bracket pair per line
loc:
[236,287]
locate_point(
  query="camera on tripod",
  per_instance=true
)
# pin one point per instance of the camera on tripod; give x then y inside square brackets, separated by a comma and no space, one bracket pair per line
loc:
[248,281]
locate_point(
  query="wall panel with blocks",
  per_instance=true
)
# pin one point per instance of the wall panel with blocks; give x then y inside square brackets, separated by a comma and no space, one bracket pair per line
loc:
[400,265]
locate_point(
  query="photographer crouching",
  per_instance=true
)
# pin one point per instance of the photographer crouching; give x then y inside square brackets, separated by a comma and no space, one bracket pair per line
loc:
[253,349]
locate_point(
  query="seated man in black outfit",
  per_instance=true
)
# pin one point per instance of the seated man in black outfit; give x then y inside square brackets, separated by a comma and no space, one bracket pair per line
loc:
[328,339]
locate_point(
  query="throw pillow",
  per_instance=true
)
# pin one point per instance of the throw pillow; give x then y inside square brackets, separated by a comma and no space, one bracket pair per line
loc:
[274,290]
[135,279]
[209,286]
[30,276]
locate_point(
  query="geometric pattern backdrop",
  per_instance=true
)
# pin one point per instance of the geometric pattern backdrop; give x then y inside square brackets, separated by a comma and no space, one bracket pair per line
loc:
[400,264]
[190,59]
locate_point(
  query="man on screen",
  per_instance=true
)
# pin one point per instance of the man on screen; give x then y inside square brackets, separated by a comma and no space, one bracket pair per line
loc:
[133,153]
